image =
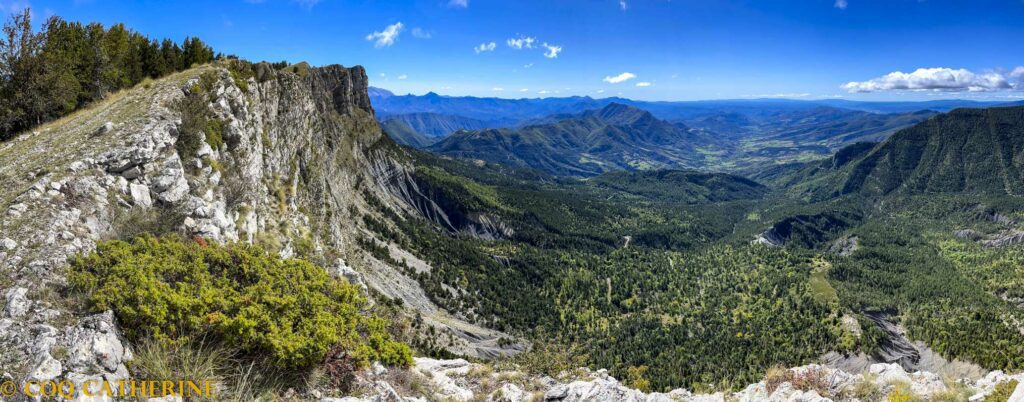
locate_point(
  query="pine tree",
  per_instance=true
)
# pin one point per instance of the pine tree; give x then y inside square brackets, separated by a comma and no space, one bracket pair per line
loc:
[66,65]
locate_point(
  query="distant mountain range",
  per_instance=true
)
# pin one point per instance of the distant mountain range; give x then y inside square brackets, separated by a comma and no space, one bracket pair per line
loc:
[615,137]
[488,109]
[623,137]
[574,136]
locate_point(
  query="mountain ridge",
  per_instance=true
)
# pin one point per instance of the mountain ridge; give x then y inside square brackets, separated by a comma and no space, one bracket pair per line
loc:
[961,151]
[616,136]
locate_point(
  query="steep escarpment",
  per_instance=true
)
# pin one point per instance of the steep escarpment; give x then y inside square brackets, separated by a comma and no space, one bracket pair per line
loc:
[285,160]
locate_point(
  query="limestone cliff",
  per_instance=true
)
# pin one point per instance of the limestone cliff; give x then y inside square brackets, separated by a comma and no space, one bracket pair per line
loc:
[301,156]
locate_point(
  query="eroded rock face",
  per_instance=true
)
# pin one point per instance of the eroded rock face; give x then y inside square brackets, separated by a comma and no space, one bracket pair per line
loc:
[299,156]
[78,183]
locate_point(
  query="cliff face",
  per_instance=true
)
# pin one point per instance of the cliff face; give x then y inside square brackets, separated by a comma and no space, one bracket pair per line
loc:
[301,156]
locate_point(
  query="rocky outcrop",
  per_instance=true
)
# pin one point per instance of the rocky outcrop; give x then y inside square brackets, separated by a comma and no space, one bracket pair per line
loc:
[895,347]
[1003,238]
[807,230]
[300,156]
[459,380]
[845,246]
[968,234]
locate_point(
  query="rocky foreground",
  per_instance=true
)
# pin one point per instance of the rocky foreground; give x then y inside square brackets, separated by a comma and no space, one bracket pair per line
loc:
[459,380]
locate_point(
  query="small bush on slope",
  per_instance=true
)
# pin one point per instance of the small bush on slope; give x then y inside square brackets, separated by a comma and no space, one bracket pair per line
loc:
[288,310]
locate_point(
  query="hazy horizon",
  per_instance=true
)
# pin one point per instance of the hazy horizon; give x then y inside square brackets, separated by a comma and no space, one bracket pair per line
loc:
[807,99]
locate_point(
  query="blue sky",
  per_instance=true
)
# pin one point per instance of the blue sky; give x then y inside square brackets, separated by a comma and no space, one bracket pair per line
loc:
[671,49]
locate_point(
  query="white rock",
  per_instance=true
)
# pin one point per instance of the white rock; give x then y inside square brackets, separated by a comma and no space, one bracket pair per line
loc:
[441,372]
[95,344]
[598,389]
[925,383]
[170,189]
[889,373]
[204,150]
[351,275]
[507,393]
[132,173]
[378,369]
[77,166]
[8,244]
[48,369]
[140,195]
[105,128]
[17,303]
[17,209]
[716,397]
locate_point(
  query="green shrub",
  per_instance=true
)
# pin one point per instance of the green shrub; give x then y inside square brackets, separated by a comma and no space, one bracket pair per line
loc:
[1002,392]
[197,121]
[286,310]
[241,71]
[215,133]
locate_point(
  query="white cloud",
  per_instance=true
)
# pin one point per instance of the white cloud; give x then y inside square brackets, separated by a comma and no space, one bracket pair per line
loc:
[940,79]
[458,3]
[524,90]
[643,84]
[528,65]
[387,37]
[619,78]
[542,92]
[403,76]
[497,89]
[623,5]
[600,91]
[553,51]
[485,47]
[841,4]
[522,42]
[420,33]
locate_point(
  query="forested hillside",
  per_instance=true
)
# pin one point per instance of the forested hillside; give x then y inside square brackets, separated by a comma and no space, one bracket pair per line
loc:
[650,273]
[66,65]
[615,137]
[435,125]
[964,151]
